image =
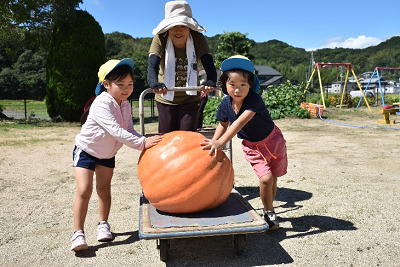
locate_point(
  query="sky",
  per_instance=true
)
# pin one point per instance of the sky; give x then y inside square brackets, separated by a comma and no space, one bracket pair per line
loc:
[308,24]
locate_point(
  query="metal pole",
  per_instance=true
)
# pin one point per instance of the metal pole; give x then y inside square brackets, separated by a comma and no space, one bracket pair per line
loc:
[322,90]
[380,88]
[141,109]
[345,88]
[365,90]
[309,81]
[355,77]
[25,102]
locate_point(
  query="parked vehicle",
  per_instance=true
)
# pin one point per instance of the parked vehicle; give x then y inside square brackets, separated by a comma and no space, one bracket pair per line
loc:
[357,93]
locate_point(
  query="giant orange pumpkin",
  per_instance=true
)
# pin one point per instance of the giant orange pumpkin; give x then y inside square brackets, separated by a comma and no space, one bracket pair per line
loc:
[178,176]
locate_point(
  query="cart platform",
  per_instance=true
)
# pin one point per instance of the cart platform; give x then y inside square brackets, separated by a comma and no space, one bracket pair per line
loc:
[234,217]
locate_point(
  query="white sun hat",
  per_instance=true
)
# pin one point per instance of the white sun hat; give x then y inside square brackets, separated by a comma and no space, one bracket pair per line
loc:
[178,13]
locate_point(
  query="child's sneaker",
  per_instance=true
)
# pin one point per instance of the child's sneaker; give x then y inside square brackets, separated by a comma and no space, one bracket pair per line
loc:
[103,231]
[78,241]
[270,218]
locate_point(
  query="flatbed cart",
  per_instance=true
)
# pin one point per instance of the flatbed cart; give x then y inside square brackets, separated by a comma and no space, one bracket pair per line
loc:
[234,217]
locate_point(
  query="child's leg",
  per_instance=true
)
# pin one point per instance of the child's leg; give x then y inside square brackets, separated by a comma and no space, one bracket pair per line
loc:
[84,188]
[103,187]
[268,188]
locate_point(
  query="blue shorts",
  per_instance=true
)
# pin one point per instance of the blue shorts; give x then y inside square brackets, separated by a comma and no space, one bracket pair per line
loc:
[84,160]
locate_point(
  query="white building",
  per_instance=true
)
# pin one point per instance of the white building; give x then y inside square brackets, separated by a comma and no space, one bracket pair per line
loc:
[388,87]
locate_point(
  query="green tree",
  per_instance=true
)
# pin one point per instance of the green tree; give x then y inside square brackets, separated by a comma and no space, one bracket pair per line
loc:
[233,43]
[31,21]
[77,50]
[31,74]
[121,45]
[8,82]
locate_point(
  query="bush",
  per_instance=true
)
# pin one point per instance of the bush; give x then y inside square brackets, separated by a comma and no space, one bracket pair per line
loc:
[77,50]
[332,101]
[284,100]
[390,99]
[211,109]
[355,100]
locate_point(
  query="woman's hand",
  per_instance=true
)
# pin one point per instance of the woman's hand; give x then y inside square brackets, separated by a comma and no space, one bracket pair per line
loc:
[152,141]
[159,88]
[207,86]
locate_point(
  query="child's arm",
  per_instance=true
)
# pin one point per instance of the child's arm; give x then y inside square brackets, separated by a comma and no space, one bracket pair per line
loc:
[221,129]
[223,135]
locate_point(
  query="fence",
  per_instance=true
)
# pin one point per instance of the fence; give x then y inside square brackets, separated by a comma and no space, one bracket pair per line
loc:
[28,109]
[23,109]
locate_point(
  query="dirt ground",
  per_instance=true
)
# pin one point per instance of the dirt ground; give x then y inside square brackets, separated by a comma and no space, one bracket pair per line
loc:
[338,204]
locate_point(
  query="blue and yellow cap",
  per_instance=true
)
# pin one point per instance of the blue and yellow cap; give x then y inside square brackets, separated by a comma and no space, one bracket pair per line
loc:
[107,67]
[243,63]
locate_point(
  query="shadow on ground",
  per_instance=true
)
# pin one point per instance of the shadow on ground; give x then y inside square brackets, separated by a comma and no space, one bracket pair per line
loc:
[209,251]
[212,250]
[132,237]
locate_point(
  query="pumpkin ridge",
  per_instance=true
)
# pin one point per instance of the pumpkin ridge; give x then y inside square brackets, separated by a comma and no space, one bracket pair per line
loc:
[199,191]
[186,172]
[182,177]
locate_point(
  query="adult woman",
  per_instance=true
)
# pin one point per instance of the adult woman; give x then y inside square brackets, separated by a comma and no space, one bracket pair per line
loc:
[175,51]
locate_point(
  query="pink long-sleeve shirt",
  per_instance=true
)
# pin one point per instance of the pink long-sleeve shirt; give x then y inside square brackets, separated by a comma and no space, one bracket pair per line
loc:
[107,128]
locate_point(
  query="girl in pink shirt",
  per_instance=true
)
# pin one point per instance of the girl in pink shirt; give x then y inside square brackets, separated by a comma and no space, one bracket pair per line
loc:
[108,126]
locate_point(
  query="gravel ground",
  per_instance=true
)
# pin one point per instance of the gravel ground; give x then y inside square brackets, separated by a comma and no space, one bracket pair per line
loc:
[338,204]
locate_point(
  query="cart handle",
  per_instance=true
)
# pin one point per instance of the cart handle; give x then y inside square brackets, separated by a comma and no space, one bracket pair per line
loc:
[228,146]
[150,90]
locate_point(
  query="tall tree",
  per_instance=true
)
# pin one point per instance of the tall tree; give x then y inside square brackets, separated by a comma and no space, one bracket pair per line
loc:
[233,43]
[31,74]
[121,45]
[31,20]
[77,50]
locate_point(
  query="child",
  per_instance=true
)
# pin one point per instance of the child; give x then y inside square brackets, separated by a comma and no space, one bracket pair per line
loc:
[108,126]
[263,143]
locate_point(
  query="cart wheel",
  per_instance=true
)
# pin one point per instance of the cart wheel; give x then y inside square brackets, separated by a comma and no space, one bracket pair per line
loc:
[163,246]
[239,243]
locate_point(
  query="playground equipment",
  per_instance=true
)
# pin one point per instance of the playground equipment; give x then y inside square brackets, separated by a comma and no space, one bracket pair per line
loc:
[376,72]
[348,66]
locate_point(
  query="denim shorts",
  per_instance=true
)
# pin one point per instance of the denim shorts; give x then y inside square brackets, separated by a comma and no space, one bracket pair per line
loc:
[84,160]
[268,155]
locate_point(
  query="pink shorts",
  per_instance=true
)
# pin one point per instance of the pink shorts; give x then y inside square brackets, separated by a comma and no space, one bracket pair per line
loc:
[269,155]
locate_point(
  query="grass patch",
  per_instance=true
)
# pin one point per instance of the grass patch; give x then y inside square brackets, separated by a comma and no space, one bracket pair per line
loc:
[22,135]
[26,142]
[22,124]
[17,104]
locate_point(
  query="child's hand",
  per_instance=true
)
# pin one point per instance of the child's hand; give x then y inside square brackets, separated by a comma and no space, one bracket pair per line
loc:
[213,145]
[152,141]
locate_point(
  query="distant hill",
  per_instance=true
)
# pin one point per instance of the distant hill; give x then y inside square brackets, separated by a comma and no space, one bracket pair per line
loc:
[294,62]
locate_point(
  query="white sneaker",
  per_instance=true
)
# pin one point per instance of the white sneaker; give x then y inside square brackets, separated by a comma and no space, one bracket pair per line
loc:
[103,231]
[78,241]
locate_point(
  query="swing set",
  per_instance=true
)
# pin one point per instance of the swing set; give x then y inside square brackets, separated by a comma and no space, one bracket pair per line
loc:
[376,72]
[348,66]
